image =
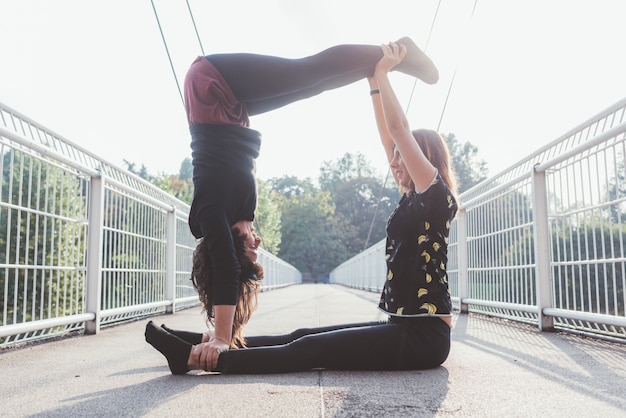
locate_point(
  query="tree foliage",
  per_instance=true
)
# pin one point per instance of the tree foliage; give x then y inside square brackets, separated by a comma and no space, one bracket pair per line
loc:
[268,218]
[469,168]
[310,237]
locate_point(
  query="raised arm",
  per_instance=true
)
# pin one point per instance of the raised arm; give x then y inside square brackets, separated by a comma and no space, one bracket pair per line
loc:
[419,168]
[383,132]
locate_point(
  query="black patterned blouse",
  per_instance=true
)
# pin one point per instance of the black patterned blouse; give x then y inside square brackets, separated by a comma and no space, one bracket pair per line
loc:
[416,253]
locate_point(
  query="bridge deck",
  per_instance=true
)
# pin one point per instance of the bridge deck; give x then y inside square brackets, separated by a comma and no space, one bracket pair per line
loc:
[495,368]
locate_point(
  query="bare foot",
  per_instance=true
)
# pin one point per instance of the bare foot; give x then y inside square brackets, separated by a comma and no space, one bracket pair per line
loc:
[417,63]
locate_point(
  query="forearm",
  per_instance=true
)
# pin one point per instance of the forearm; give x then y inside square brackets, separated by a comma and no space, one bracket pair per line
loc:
[205,355]
[224,315]
[391,110]
[379,115]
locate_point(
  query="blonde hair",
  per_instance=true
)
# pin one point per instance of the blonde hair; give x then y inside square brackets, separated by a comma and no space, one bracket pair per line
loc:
[436,151]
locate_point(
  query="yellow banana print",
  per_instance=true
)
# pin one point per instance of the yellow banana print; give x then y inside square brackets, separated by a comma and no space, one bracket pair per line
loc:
[421,239]
[429,278]
[426,256]
[390,275]
[432,309]
[427,225]
[422,292]
[399,311]
[436,246]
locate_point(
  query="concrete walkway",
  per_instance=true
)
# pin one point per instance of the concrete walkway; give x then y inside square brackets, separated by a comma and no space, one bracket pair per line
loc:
[496,368]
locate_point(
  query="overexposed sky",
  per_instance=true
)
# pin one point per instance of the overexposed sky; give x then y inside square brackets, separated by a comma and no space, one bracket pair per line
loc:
[97,73]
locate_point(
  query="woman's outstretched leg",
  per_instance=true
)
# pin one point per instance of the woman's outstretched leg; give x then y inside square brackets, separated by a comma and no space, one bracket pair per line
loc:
[265,82]
[195,338]
[269,340]
[375,347]
[420,344]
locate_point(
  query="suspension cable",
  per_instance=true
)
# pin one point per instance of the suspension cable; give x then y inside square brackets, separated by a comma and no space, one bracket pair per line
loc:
[195,28]
[456,67]
[432,27]
[180,93]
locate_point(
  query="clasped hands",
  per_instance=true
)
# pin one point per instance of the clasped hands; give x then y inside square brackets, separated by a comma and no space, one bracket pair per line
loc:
[205,355]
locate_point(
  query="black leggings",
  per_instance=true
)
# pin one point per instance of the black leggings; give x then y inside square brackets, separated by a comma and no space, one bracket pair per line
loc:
[265,82]
[408,344]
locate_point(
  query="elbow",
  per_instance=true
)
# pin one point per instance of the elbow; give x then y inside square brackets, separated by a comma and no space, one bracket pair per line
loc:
[399,129]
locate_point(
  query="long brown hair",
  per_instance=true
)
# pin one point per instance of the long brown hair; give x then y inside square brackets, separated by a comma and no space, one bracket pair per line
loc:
[436,151]
[249,285]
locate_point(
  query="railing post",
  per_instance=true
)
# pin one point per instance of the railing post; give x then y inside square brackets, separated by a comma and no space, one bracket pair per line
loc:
[461,231]
[170,261]
[542,249]
[94,252]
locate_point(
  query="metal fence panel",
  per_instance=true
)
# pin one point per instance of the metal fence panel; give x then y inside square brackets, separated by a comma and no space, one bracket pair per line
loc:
[84,243]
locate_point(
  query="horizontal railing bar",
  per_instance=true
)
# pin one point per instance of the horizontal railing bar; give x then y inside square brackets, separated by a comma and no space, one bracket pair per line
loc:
[592,261]
[15,329]
[52,133]
[513,182]
[41,213]
[133,234]
[618,321]
[502,305]
[504,268]
[134,308]
[500,231]
[598,139]
[41,267]
[572,132]
[43,150]
[187,299]
[156,202]
[131,270]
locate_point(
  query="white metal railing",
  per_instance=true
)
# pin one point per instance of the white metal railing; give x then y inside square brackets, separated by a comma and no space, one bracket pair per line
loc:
[84,243]
[545,240]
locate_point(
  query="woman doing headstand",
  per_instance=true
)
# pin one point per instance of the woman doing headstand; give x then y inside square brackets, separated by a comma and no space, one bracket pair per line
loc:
[417,334]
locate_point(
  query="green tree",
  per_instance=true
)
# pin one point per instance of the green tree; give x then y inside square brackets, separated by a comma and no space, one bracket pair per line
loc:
[268,218]
[469,169]
[176,186]
[362,202]
[40,225]
[617,190]
[186,170]
[333,174]
[142,172]
[362,207]
[290,186]
[310,236]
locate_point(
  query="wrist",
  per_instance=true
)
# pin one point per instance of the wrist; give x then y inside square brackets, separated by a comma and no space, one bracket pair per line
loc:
[221,340]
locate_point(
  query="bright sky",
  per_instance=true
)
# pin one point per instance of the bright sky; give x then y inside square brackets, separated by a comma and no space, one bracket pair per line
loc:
[97,73]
